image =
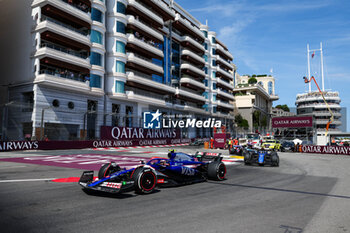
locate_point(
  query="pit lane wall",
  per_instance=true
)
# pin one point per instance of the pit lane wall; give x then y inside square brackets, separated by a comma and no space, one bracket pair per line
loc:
[110,137]
[336,150]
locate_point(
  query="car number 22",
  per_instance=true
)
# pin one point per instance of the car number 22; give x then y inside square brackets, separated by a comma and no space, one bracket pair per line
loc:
[187,171]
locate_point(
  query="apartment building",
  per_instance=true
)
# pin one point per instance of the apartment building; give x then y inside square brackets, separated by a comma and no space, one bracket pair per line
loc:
[254,101]
[72,66]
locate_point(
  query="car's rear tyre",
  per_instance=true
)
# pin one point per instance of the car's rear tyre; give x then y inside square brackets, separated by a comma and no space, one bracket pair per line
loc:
[216,170]
[145,180]
[107,169]
[275,160]
[247,158]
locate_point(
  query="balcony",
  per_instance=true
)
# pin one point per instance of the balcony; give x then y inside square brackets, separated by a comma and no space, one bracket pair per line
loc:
[194,109]
[63,30]
[325,121]
[148,84]
[192,71]
[224,84]
[147,30]
[161,8]
[224,53]
[188,42]
[144,99]
[192,57]
[142,65]
[223,73]
[193,84]
[189,96]
[184,25]
[326,113]
[62,55]
[73,84]
[144,47]
[141,10]
[224,63]
[224,95]
[73,10]
[224,105]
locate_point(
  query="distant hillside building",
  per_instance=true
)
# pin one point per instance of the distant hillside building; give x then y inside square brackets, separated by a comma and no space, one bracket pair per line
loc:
[251,98]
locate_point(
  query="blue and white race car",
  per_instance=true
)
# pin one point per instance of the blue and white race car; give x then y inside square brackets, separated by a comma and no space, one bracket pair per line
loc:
[177,169]
[261,157]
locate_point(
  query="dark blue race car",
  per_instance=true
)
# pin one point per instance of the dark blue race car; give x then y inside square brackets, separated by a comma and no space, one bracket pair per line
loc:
[177,169]
[261,157]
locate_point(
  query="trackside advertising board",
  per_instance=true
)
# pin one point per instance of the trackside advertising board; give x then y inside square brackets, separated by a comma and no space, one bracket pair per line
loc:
[292,122]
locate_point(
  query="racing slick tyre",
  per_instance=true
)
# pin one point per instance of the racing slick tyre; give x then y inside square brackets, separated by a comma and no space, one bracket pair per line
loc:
[107,169]
[145,180]
[216,170]
[247,158]
[275,159]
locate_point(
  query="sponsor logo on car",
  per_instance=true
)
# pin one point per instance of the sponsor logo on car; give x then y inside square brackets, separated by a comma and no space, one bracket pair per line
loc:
[112,185]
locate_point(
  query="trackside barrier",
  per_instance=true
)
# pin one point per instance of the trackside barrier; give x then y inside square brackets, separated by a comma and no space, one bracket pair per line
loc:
[336,150]
[61,145]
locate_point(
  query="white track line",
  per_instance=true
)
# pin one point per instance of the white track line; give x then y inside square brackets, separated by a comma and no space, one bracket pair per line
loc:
[11,181]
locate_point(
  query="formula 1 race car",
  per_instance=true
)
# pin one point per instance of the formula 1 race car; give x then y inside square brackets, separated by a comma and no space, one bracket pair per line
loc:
[177,169]
[236,149]
[261,157]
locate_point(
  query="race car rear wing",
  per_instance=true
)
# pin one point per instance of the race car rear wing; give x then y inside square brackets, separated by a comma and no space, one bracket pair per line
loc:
[209,156]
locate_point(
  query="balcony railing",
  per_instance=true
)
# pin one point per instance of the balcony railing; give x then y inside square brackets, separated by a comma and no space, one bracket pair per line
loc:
[64,50]
[64,74]
[83,32]
[81,6]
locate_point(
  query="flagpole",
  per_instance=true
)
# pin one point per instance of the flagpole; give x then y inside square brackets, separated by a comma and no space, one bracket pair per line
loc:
[322,66]
[308,66]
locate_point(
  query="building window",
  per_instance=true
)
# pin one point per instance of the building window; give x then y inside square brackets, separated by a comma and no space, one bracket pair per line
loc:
[120,47]
[205,82]
[70,105]
[120,27]
[205,58]
[214,63]
[213,40]
[214,86]
[120,67]
[205,46]
[214,98]
[96,15]
[56,103]
[214,109]
[115,114]
[96,59]
[213,74]
[119,87]
[121,8]
[205,70]
[270,87]
[205,33]
[129,113]
[96,37]
[205,94]
[95,80]
[213,51]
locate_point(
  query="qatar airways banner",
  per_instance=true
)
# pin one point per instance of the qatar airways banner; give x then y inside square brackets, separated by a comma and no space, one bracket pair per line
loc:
[292,122]
[337,150]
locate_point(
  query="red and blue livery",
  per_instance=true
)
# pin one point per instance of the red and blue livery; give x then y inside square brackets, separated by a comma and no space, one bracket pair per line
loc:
[177,169]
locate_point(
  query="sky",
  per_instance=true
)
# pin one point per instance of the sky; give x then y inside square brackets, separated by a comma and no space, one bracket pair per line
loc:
[272,35]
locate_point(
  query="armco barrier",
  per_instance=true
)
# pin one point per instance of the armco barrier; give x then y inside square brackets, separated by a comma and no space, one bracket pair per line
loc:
[61,145]
[337,150]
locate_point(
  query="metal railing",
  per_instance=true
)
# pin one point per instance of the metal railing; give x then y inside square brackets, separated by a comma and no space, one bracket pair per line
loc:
[82,32]
[64,74]
[64,50]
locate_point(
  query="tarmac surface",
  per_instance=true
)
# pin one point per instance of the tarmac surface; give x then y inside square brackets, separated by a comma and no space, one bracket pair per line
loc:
[307,193]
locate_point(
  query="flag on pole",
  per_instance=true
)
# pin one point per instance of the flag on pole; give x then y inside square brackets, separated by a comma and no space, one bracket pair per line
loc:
[313,54]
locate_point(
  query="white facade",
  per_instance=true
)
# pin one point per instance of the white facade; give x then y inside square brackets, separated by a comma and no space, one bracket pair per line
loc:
[105,62]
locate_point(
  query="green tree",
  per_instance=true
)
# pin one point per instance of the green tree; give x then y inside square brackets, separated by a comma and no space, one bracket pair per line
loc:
[256,119]
[241,122]
[284,107]
[252,80]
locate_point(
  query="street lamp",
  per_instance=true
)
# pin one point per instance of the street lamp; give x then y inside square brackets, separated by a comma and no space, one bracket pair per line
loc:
[42,122]
[4,119]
